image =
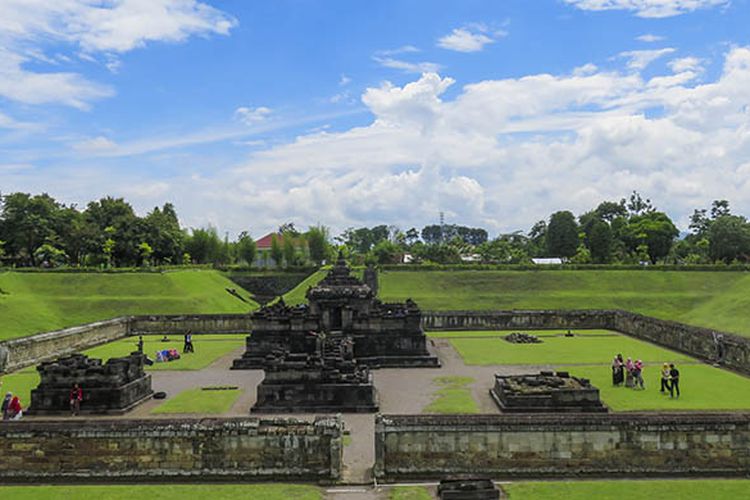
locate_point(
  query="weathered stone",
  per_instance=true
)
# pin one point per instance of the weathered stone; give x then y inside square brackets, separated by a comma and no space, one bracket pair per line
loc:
[467,489]
[114,387]
[546,392]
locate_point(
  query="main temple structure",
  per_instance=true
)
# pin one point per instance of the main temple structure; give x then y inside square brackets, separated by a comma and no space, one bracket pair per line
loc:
[384,335]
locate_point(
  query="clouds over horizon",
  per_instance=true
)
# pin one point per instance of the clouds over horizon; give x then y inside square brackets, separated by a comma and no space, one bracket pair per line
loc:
[649,8]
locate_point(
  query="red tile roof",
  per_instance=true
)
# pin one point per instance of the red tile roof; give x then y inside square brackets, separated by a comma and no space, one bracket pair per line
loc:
[265,242]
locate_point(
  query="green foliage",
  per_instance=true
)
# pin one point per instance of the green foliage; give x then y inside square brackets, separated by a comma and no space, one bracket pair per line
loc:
[652,232]
[145,251]
[317,242]
[43,301]
[562,235]
[277,254]
[49,256]
[386,252]
[208,349]
[600,242]
[591,347]
[409,493]
[199,401]
[713,299]
[729,238]
[715,489]
[246,248]
[165,492]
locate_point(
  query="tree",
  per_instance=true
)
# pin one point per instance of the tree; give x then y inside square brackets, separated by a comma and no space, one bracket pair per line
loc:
[386,252]
[49,256]
[27,223]
[246,248]
[636,205]
[317,243]
[538,239]
[655,231]
[145,251]
[610,210]
[277,254]
[600,242]
[729,238]
[562,235]
[289,249]
[205,246]
[412,236]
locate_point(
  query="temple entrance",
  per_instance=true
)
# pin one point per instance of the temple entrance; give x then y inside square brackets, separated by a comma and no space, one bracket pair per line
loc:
[336,320]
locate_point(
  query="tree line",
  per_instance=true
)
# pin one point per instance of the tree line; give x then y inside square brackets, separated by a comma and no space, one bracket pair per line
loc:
[38,231]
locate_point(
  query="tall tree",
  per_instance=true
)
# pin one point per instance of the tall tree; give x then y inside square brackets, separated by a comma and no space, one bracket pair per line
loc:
[653,231]
[277,253]
[317,242]
[562,235]
[729,238]
[246,248]
[600,242]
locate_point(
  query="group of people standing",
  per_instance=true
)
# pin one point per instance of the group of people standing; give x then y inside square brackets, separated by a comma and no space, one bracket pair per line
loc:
[630,373]
[11,407]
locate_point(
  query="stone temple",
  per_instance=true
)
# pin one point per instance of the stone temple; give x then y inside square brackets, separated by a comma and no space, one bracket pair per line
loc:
[114,387]
[546,392]
[327,380]
[384,335]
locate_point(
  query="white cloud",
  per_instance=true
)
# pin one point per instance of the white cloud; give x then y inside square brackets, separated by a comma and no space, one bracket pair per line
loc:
[686,64]
[89,28]
[406,66]
[649,38]
[404,49]
[648,8]
[469,38]
[252,116]
[344,81]
[640,59]
[95,145]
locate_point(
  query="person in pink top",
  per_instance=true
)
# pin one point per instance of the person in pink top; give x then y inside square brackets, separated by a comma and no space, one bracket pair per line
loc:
[629,373]
[638,374]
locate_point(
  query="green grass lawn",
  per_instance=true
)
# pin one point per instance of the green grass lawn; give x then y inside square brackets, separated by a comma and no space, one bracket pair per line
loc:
[703,387]
[165,492]
[200,401]
[714,489]
[208,348]
[454,396]
[583,349]
[40,302]
[20,383]
[409,493]
[718,300]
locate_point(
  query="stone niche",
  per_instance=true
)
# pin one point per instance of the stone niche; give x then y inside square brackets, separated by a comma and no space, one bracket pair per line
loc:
[546,392]
[116,386]
[328,380]
[384,334]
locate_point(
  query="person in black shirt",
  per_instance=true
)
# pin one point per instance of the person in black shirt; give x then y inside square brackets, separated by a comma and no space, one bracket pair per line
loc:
[674,381]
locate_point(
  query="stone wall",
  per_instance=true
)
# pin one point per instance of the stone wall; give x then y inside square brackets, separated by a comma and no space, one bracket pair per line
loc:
[695,341]
[521,320]
[196,323]
[551,446]
[18,353]
[207,449]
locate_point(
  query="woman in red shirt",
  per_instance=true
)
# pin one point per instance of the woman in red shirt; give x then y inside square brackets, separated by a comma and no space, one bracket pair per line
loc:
[76,396]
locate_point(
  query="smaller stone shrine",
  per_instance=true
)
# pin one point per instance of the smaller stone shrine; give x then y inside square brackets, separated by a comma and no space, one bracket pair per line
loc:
[468,489]
[522,338]
[116,386]
[547,392]
[328,380]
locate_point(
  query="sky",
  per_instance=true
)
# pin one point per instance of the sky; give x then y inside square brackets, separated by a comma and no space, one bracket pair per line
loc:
[247,114]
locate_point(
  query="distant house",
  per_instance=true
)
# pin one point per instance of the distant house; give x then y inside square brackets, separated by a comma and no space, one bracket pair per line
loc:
[471,257]
[548,261]
[263,250]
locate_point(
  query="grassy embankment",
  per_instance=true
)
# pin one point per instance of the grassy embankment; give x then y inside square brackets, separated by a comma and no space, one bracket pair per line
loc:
[719,300]
[38,302]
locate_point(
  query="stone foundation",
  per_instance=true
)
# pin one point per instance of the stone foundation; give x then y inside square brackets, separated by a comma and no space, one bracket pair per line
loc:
[168,450]
[557,446]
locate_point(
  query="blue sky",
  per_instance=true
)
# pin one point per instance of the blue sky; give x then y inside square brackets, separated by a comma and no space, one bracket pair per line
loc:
[249,114]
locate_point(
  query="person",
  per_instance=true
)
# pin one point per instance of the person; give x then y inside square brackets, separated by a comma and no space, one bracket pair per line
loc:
[665,377]
[140,344]
[76,396]
[165,339]
[638,374]
[629,373]
[15,410]
[674,381]
[188,347]
[6,406]
[616,371]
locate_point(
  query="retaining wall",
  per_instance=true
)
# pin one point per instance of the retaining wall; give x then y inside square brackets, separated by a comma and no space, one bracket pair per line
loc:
[18,353]
[196,323]
[207,449]
[556,446]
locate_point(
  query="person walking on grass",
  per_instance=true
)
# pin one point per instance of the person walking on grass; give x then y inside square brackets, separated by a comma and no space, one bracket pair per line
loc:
[638,374]
[674,381]
[76,396]
[664,378]
[188,341]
